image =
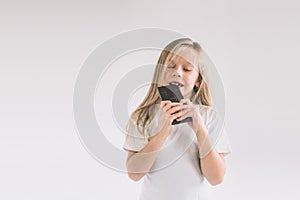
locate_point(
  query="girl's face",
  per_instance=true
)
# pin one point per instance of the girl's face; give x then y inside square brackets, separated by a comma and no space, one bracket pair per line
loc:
[181,70]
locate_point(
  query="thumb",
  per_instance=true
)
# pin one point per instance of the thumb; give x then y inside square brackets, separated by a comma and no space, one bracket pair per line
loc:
[185,101]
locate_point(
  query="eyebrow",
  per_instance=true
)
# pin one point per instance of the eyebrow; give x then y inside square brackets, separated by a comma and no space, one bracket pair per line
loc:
[186,63]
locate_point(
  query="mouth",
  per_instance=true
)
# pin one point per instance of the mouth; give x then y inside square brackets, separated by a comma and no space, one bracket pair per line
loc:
[176,83]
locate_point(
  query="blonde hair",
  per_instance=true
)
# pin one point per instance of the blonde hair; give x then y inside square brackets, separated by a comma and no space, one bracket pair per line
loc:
[141,116]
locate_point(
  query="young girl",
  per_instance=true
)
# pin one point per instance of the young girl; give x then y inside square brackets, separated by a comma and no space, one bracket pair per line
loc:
[176,161]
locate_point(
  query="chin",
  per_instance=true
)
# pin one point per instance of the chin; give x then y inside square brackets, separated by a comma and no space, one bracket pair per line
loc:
[187,95]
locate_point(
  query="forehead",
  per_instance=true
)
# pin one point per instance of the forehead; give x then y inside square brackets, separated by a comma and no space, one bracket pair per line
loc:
[184,54]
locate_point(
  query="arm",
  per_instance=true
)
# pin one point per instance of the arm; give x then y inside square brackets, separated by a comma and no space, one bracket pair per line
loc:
[213,164]
[139,163]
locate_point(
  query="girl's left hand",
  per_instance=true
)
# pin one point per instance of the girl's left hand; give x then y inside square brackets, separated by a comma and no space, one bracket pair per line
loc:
[188,109]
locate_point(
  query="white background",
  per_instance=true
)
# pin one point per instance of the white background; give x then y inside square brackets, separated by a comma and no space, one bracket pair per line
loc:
[254,44]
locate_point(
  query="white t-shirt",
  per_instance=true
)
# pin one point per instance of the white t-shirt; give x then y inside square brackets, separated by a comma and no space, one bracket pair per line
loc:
[176,172]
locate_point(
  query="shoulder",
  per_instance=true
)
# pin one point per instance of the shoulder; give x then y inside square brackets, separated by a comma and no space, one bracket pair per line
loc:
[207,110]
[208,113]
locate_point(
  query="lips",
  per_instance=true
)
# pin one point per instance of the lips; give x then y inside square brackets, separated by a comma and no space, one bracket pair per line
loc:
[176,83]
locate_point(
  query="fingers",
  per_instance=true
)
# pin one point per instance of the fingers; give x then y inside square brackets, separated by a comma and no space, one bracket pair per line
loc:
[185,102]
[176,110]
[187,109]
[183,107]
[184,115]
[179,115]
[168,108]
[167,105]
[164,103]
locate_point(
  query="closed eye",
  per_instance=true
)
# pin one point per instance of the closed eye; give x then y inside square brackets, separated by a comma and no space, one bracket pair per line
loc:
[188,69]
[170,66]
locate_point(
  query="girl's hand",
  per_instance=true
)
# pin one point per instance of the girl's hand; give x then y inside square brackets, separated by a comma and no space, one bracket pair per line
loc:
[188,109]
[167,113]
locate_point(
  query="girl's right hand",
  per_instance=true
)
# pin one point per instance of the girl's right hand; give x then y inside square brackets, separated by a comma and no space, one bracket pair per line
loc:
[167,113]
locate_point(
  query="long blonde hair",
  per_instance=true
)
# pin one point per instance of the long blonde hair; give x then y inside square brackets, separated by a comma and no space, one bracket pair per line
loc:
[141,116]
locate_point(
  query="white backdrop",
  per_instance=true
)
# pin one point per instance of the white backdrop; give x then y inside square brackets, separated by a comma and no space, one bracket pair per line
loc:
[254,44]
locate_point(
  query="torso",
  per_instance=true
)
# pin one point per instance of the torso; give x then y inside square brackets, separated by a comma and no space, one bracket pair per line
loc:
[176,173]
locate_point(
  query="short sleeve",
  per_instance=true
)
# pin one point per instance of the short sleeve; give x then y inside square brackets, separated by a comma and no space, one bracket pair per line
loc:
[223,145]
[134,139]
[218,134]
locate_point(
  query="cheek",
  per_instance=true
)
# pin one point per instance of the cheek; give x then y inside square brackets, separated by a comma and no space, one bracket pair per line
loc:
[166,73]
[193,78]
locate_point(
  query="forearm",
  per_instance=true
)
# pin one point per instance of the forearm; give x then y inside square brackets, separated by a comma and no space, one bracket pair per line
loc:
[212,164]
[138,164]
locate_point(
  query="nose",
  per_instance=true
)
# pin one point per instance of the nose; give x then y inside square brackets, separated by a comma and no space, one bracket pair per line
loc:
[176,72]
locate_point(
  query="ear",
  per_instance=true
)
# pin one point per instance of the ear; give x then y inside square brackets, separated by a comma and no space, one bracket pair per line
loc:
[198,81]
[195,89]
[197,84]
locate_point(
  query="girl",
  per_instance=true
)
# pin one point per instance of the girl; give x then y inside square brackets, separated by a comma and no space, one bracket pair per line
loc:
[176,161]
